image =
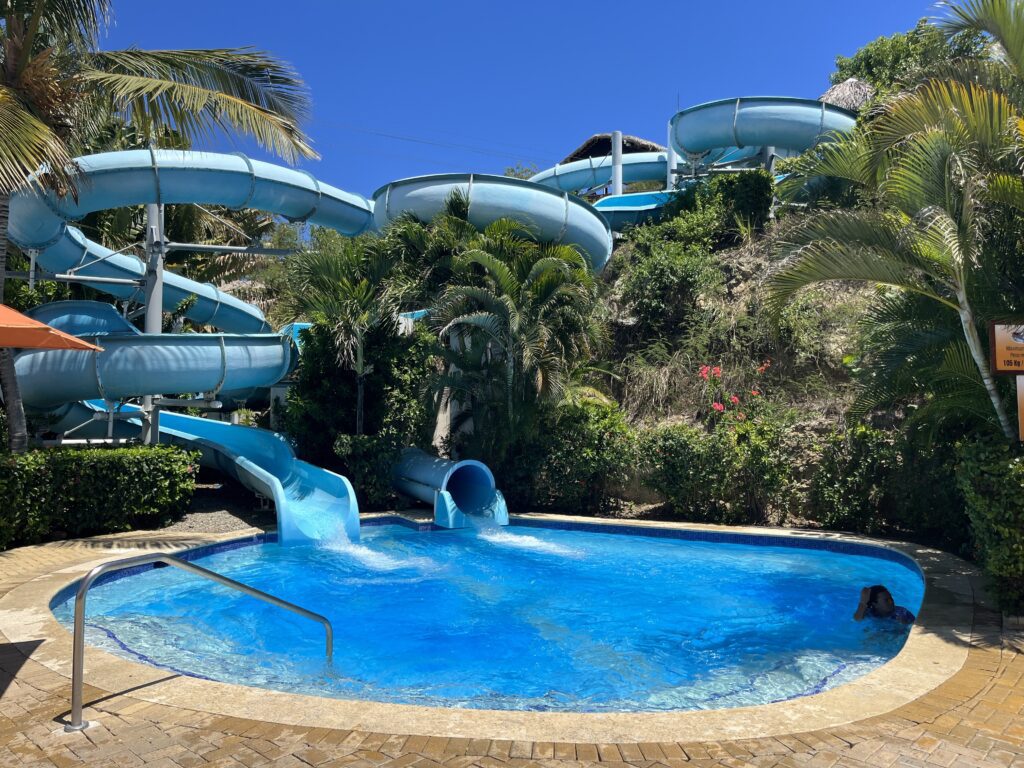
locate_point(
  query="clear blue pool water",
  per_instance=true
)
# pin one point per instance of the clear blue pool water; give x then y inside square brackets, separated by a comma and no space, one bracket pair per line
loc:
[516,618]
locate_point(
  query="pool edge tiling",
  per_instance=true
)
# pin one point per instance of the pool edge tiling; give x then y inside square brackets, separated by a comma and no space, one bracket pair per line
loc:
[936,650]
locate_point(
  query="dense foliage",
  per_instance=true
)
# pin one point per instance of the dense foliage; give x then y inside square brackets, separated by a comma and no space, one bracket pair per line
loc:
[81,492]
[897,60]
[991,476]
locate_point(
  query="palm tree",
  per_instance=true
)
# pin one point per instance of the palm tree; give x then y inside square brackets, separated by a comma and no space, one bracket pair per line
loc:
[57,88]
[931,167]
[520,327]
[348,286]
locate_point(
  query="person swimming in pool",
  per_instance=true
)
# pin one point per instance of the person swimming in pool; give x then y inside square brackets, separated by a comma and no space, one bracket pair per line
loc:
[877,602]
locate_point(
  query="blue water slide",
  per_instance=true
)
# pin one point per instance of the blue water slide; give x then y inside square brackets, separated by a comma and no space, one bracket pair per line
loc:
[593,172]
[39,220]
[133,364]
[311,502]
[548,214]
[459,491]
[777,122]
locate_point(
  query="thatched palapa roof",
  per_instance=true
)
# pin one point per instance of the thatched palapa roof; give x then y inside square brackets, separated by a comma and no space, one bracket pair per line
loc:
[850,94]
[600,145]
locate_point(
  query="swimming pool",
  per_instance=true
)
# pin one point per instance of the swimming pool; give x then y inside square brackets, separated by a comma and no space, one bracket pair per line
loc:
[521,618]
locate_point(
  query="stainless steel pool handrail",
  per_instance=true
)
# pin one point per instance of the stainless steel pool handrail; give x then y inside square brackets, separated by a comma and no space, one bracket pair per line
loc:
[78,657]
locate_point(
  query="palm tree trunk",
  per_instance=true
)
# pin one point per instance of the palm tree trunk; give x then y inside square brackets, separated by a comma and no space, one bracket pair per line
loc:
[360,382]
[977,352]
[17,430]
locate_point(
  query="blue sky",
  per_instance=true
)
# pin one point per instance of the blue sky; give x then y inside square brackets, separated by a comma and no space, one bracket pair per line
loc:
[406,88]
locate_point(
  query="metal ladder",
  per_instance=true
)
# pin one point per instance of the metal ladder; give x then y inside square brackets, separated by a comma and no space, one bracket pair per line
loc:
[78,658]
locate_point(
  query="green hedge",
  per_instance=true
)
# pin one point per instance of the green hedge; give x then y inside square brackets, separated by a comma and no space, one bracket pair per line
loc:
[991,476]
[732,473]
[585,451]
[85,491]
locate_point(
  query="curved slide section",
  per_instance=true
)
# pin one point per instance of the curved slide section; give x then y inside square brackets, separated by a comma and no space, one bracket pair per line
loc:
[597,171]
[133,363]
[459,491]
[779,122]
[548,214]
[39,220]
[311,502]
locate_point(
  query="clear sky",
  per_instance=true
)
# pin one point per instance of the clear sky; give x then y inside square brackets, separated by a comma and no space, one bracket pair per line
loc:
[403,88]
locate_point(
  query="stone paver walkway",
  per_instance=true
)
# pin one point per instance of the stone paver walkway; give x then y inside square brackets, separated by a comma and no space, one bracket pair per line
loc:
[974,719]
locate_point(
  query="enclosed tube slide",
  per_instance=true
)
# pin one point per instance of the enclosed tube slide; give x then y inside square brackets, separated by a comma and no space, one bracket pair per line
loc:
[133,364]
[547,214]
[459,491]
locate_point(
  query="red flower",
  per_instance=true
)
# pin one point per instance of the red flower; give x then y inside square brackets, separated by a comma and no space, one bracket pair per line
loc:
[764,366]
[718,407]
[716,371]
[734,400]
[704,372]
[754,392]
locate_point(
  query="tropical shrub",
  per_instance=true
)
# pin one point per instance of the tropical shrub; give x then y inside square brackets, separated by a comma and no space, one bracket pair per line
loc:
[586,451]
[732,470]
[403,421]
[991,476]
[669,269]
[320,402]
[850,489]
[86,491]
[892,482]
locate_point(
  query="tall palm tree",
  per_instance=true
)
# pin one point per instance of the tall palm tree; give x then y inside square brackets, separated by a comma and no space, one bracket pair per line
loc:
[348,286]
[57,87]
[521,326]
[932,164]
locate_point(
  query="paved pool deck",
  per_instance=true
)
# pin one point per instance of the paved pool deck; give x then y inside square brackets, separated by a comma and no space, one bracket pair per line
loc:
[953,697]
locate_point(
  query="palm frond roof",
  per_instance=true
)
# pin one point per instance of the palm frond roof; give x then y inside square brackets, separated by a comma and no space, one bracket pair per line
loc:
[600,145]
[851,94]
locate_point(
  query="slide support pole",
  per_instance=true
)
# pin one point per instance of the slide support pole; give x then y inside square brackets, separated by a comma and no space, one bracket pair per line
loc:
[670,162]
[154,306]
[617,162]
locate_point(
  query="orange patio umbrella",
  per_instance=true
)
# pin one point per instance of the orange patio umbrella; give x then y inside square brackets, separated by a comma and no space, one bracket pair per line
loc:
[17,330]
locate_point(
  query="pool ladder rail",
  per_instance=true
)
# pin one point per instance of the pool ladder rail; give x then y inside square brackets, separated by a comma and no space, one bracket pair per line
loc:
[78,658]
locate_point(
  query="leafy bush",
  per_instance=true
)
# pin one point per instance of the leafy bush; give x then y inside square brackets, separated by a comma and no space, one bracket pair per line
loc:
[321,403]
[91,490]
[736,199]
[732,472]
[880,481]
[668,269]
[588,449]
[991,476]
[850,488]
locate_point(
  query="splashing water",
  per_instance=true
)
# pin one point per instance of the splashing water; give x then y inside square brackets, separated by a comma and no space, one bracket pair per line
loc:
[504,538]
[373,559]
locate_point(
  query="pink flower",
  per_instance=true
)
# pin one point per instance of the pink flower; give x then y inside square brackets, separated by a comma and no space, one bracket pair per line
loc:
[754,392]
[716,371]
[718,407]
[734,400]
[704,372]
